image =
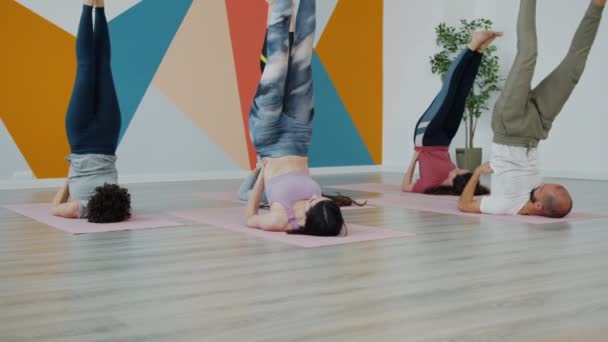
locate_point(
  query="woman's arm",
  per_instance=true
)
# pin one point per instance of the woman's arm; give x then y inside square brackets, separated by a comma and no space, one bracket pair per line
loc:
[408,184]
[68,210]
[270,221]
[62,195]
[61,206]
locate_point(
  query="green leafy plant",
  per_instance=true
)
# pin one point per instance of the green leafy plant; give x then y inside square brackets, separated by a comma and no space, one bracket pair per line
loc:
[452,41]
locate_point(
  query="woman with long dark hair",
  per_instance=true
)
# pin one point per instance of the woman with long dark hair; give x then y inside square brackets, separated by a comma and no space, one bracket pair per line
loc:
[438,125]
[280,122]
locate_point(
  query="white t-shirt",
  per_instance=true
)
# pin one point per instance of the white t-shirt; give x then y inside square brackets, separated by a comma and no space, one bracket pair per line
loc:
[515,174]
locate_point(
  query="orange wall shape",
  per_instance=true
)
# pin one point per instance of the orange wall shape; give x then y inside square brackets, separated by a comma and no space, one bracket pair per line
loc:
[351,51]
[37,68]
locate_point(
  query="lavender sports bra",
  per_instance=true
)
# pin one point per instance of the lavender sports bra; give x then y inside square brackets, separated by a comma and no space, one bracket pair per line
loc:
[290,188]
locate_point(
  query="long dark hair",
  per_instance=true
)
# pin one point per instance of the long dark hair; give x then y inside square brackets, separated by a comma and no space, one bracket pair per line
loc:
[344,201]
[325,218]
[460,182]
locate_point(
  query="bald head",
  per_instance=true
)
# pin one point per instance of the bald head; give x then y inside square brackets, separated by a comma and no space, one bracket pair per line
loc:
[557,201]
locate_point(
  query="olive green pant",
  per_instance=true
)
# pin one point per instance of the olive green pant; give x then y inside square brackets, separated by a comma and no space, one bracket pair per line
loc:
[523,116]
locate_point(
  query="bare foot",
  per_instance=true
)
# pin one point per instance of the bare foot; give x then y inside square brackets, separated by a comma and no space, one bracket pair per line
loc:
[478,38]
[600,3]
[493,36]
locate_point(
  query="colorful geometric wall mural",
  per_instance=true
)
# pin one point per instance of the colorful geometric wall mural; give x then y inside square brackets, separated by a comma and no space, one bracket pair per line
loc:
[200,60]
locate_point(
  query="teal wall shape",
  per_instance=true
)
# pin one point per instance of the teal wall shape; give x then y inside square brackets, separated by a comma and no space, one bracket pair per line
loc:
[335,139]
[140,38]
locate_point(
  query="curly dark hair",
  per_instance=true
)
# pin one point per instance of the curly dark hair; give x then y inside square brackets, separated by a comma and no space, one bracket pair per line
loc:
[109,204]
[460,182]
[323,219]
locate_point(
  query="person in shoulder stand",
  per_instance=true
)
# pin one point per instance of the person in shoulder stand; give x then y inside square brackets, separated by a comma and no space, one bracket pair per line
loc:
[524,116]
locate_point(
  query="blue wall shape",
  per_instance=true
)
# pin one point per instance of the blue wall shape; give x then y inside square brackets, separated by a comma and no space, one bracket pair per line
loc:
[140,39]
[335,139]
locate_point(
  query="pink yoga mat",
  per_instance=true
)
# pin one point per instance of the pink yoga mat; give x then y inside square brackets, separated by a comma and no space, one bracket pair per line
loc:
[387,189]
[232,219]
[231,196]
[394,197]
[449,205]
[42,214]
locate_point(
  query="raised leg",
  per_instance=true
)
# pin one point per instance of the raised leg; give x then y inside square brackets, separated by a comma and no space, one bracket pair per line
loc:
[267,105]
[510,108]
[553,92]
[454,118]
[299,102]
[107,110]
[81,109]
[430,127]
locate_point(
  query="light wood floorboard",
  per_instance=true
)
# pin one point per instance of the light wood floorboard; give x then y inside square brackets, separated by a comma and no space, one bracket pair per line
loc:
[458,279]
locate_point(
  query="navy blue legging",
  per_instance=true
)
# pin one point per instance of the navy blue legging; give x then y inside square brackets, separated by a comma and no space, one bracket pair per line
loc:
[440,123]
[93,118]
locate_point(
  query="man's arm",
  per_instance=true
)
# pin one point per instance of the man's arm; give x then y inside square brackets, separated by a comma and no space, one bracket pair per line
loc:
[467,202]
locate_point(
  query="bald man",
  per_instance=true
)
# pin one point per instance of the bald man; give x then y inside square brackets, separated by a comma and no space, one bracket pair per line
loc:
[523,116]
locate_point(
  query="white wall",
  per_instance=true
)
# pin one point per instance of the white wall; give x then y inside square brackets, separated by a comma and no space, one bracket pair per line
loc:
[575,147]
[12,163]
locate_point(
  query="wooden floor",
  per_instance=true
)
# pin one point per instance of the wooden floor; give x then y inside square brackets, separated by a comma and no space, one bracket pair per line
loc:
[459,279]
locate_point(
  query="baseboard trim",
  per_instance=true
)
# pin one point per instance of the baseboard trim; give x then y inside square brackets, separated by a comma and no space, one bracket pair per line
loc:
[571,174]
[546,173]
[238,174]
[186,177]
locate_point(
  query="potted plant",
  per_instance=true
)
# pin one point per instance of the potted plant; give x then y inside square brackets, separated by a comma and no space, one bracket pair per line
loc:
[452,40]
